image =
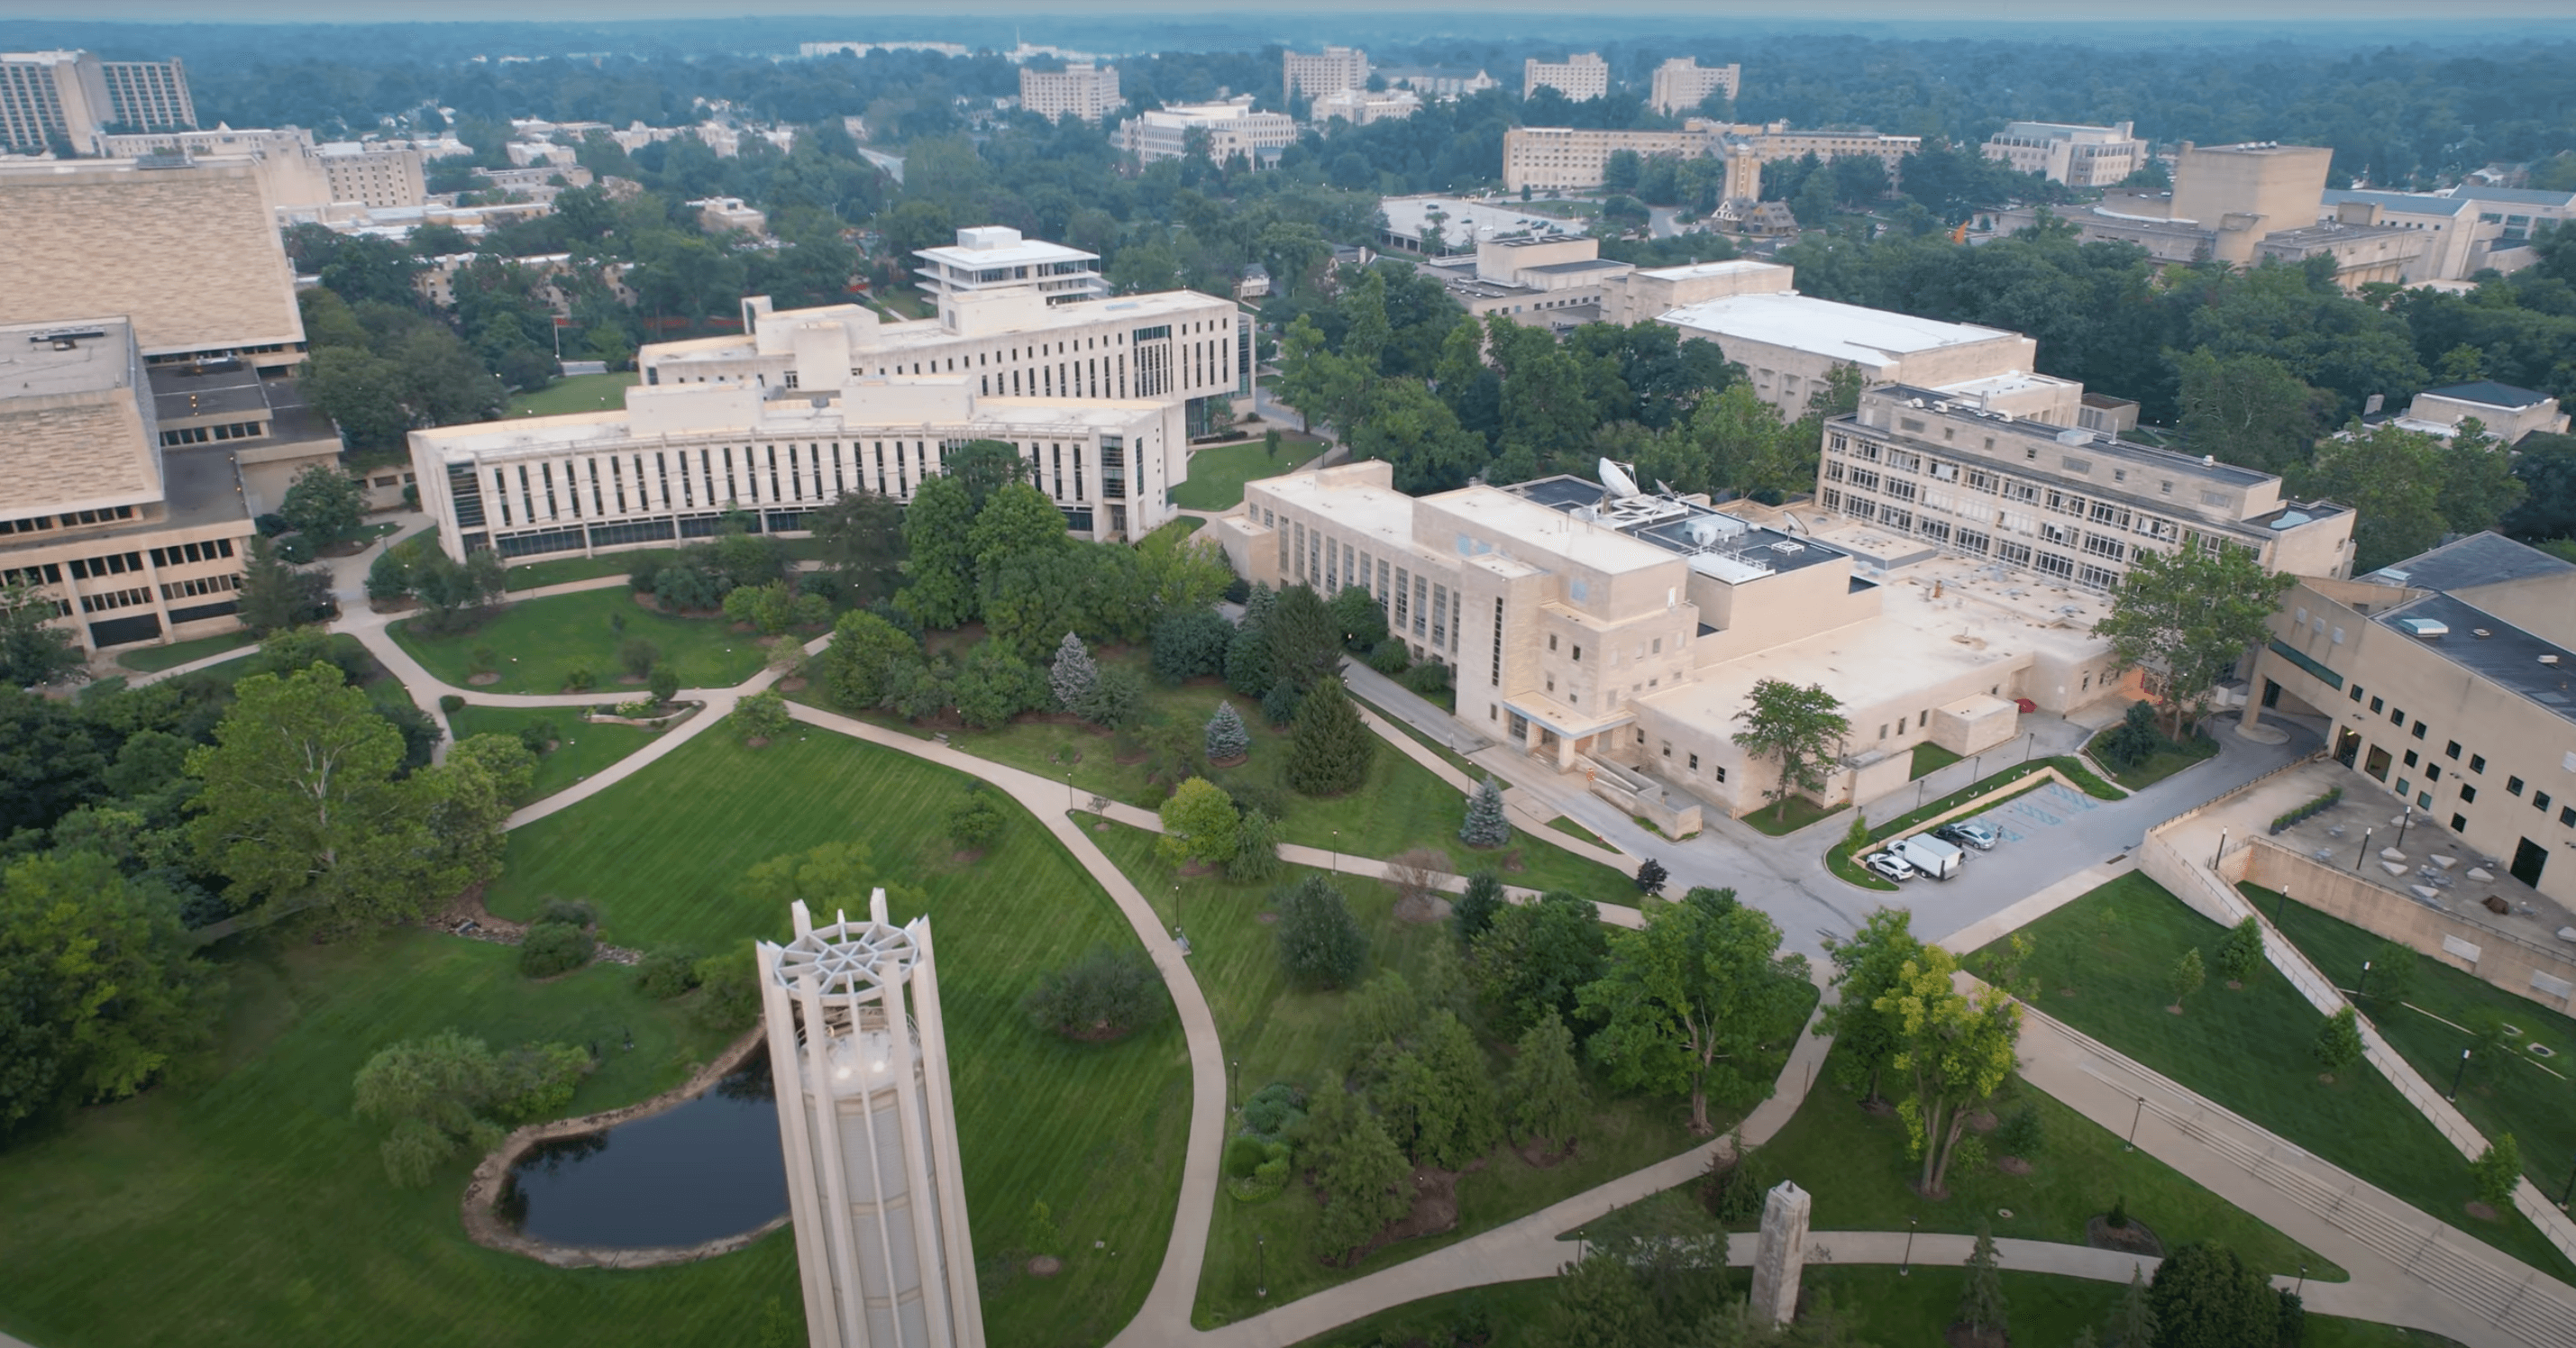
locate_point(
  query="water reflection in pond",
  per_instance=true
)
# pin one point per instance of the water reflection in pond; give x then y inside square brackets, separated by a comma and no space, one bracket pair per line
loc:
[706,1169]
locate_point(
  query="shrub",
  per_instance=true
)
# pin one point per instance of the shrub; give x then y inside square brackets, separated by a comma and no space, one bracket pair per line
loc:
[450,703]
[1428,678]
[636,709]
[1279,705]
[2131,742]
[1274,1109]
[637,656]
[665,974]
[2314,807]
[574,911]
[728,990]
[761,716]
[482,660]
[579,678]
[1389,657]
[663,683]
[2022,1133]
[646,570]
[539,736]
[1268,1177]
[1735,1189]
[2118,1218]
[1243,1155]
[975,821]
[682,586]
[552,948]
[1115,700]
[1103,995]
[1320,946]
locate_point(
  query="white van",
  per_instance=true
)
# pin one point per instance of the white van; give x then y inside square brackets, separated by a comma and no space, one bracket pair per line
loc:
[1930,855]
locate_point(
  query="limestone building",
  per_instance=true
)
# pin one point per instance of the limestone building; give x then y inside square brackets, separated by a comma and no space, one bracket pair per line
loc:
[992,257]
[70,99]
[1791,344]
[1958,471]
[1337,69]
[1577,159]
[1616,632]
[1232,128]
[2507,412]
[193,261]
[1682,84]
[2078,156]
[1082,90]
[1578,77]
[2447,679]
[867,1118]
[118,500]
[2466,229]
[1359,107]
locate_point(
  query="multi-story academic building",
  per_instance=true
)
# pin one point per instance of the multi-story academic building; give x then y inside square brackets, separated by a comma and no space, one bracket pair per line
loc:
[2078,156]
[1082,90]
[69,99]
[1682,84]
[1579,77]
[991,257]
[1232,127]
[1337,69]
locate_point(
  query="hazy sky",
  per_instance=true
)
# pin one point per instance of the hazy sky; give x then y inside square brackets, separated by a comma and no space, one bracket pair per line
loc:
[1919,11]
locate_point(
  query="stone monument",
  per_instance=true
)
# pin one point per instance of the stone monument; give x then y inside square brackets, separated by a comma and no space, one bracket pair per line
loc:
[1780,1253]
[861,1060]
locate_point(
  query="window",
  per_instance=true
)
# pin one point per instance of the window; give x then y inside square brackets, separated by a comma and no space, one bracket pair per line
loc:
[1551,641]
[2451,750]
[2356,692]
[2567,815]
[2468,794]
[2397,717]
[2459,823]
[2540,801]
[1721,774]
[1694,762]
[2513,786]
[2052,564]
[2378,704]
[2477,763]
[2410,758]
[1578,655]
[2420,728]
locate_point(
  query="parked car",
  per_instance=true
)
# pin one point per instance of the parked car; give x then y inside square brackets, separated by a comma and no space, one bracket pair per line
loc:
[1887,866]
[1969,833]
[1930,856]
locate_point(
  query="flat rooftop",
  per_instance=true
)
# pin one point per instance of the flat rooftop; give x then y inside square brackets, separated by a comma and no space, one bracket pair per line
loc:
[1695,271]
[1410,216]
[799,414]
[1845,332]
[31,367]
[1025,252]
[1583,265]
[2479,559]
[2099,443]
[911,334]
[1737,549]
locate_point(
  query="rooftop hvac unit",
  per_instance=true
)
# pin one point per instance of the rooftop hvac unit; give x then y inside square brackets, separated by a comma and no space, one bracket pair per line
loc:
[2427,628]
[1788,547]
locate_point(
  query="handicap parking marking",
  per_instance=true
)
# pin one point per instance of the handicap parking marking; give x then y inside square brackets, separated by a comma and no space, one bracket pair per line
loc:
[2047,807]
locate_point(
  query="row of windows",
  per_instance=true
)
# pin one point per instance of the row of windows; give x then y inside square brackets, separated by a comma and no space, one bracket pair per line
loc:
[1718,771]
[198,435]
[178,554]
[112,600]
[1413,603]
[1996,484]
[190,589]
[70,519]
[113,564]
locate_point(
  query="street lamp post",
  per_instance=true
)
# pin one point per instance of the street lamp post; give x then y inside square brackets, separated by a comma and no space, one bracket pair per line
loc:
[1068,790]
[2222,850]
[2303,1281]
[2458,1072]
[2402,821]
[1261,1266]
[2364,854]
[1233,1083]
[2281,910]
[2139,1113]
[2359,992]
[1905,1269]
[1337,849]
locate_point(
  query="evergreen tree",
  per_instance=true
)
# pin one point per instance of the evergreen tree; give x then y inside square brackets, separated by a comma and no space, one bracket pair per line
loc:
[1305,643]
[1600,1305]
[2134,1324]
[1486,825]
[1248,667]
[1227,739]
[1468,1126]
[1475,908]
[2241,952]
[1364,1180]
[936,536]
[1981,1304]
[1071,675]
[1545,1087]
[1256,849]
[1331,749]
[2205,1297]
[1279,705]
[1319,944]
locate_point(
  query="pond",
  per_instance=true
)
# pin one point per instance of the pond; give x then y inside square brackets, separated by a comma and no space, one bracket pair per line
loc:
[703,1170]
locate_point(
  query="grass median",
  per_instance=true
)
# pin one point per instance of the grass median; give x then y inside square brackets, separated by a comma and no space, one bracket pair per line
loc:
[536,645]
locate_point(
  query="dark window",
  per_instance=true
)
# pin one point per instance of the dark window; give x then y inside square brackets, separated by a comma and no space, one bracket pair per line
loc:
[2356,692]
[2432,772]
[2567,815]
[2468,794]
[2420,728]
[2477,763]
[2513,786]
[2396,717]
[2451,750]
[2410,758]
[2459,823]
[2377,704]
[2540,800]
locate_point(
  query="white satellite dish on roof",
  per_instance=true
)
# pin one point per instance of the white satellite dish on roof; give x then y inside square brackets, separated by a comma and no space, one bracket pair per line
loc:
[1618,482]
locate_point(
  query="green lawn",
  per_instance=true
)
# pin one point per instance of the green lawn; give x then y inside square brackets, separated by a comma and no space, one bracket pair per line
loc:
[1094,1131]
[2169,758]
[241,1204]
[1402,806]
[1217,474]
[539,640]
[1855,1164]
[153,659]
[2520,1095]
[581,748]
[1930,758]
[1276,1034]
[576,393]
[530,575]
[2249,1050]
[1888,1310]
[1780,820]
[1564,825]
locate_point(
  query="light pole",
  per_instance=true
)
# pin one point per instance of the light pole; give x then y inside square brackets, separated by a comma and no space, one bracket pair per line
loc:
[2364,990]
[2281,910]
[1261,1266]
[1068,790]
[1337,849]
[2222,850]
[1234,1083]
[2303,1281]
[1905,1269]
[2364,854]
[2402,821]
[2139,1113]
[2028,742]
[2457,1073]
[2569,1192]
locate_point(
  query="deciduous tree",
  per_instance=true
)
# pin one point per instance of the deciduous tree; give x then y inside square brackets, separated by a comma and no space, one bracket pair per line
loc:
[324,504]
[1199,823]
[101,980]
[1866,968]
[1954,1052]
[1798,727]
[33,650]
[936,538]
[1687,1002]
[1537,957]
[2191,614]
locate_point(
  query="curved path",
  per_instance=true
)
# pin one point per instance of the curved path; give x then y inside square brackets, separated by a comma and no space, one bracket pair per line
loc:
[2380,1288]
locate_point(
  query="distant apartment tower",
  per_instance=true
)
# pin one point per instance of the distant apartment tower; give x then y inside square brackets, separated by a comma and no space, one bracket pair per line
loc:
[994,257]
[1232,127]
[2078,156]
[868,1120]
[71,98]
[1564,158]
[1081,90]
[1337,69]
[1578,77]
[1682,84]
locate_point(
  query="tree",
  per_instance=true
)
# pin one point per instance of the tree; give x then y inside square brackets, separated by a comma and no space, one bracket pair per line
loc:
[663,683]
[1115,699]
[2133,741]
[1651,876]
[936,538]
[1256,849]
[2248,410]
[301,800]
[763,716]
[1227,739]
[2190,613]
[1600,1305]
[994,684]
[275,595]
[1071,674]
[1188,644]
[1866,968]
[1305,644]
[1184,575]
[1018,522]
[1107,993]
[975,821]
[1199,824]
[1320,945]
[2498,1172]
[1486,825]
[2133,1325]
[1981,1302]
[1545,1087]
[2391,972]
[1537,957]
[984,467]
[2186,976]
[2392,479]
[2241,953]
[2203,1296]
[101,981]
[856,668]
[1330,750]
[1474,911]
[1801,727]
[1460,1122]
[1954,1052]
[1687,1002]
[1362,1179]
[324,504]
[860,539]
[1359,619]
[33,651]
[448,1089]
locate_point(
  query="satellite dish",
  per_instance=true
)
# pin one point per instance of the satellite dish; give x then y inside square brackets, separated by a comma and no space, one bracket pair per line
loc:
[1665,487]
[1617,480]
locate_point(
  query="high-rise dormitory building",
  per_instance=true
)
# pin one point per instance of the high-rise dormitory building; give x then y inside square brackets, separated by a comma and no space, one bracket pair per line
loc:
[69,99]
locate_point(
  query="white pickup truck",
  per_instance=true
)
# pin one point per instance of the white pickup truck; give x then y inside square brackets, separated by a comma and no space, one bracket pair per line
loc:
[1931,856]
